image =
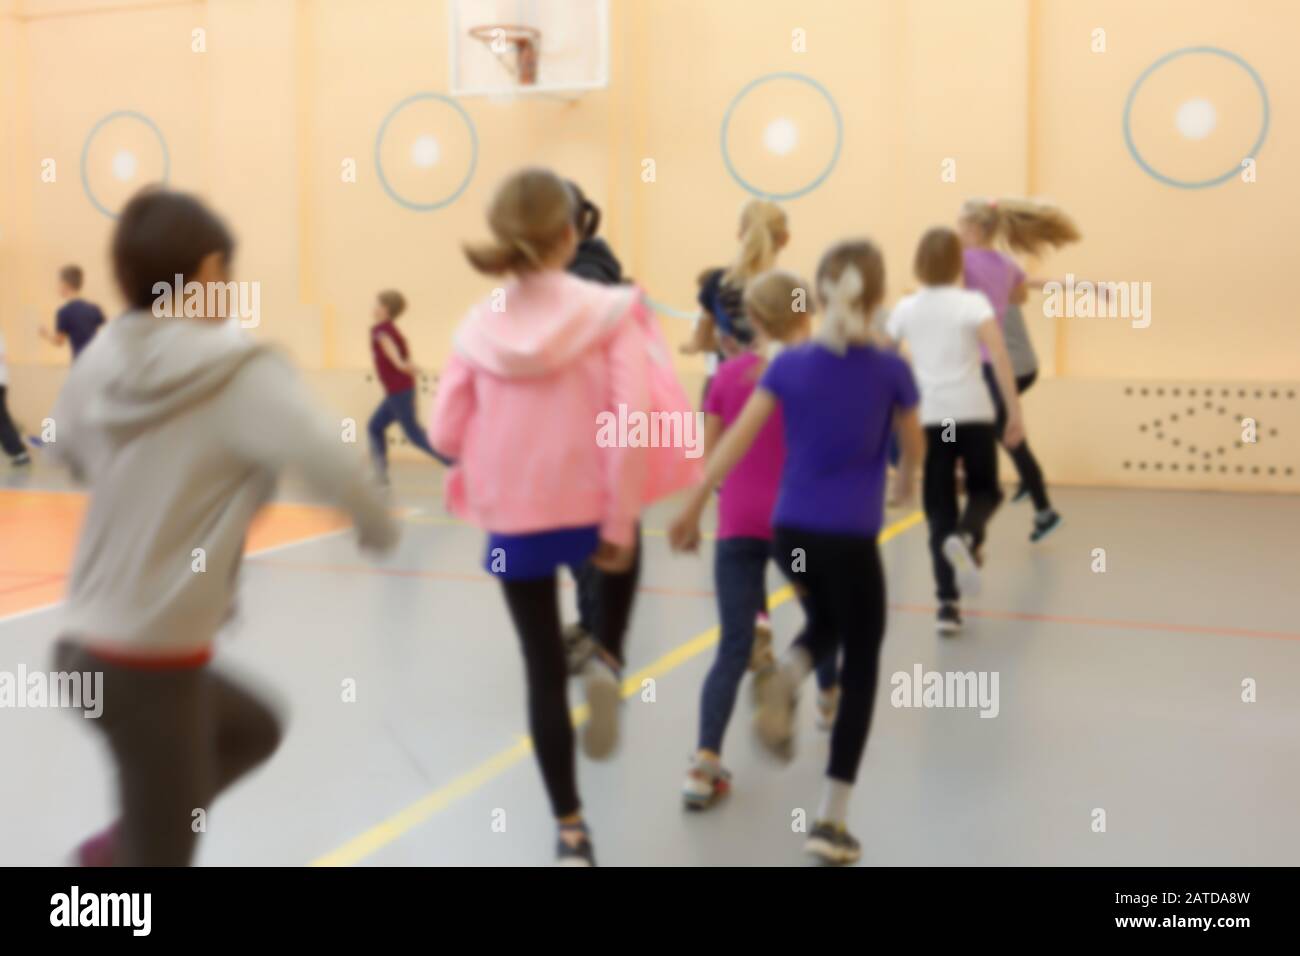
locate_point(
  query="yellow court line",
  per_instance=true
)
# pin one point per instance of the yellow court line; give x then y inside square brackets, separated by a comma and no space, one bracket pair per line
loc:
[402,822]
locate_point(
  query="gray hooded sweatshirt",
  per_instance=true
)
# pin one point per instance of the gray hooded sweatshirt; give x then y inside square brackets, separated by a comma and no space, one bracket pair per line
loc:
[181,427]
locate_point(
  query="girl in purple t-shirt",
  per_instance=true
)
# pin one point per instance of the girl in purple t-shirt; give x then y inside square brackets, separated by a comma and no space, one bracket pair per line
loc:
[1026,226]
[839,397]
[775,307]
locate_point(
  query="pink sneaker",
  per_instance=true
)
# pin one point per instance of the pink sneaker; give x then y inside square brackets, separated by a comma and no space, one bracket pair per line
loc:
[98,849]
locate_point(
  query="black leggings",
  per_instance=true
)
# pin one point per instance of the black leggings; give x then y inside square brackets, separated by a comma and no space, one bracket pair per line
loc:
[1031,476]
[9,440]
[841,585]
[976,447]
[535,610]
[621,588]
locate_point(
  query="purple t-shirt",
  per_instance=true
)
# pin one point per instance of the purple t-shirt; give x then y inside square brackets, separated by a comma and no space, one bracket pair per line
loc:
[994,274]
[748,494]
[838,413]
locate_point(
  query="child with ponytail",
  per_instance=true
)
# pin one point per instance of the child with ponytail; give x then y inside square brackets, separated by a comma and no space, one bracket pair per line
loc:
[838,396]
[519,408]
[776,308]
[1027,226]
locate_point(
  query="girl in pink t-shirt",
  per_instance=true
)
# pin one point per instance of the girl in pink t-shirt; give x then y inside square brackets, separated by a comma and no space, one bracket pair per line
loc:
[1028,226]
[776,312]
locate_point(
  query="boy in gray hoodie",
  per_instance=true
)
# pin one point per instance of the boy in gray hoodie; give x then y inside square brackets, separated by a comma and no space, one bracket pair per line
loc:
[180,424]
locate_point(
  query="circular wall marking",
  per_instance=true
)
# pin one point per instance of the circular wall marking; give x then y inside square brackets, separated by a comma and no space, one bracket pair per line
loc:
[782,132]
[1167,58]
[473,155]
[121,164]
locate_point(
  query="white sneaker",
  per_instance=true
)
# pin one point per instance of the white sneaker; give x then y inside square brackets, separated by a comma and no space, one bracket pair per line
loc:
[604,694]
[958,553]
[774,721]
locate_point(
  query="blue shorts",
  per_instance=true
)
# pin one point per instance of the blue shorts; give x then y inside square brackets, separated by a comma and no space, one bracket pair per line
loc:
[523,557]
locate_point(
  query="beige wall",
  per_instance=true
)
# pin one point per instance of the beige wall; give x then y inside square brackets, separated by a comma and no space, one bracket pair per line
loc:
[1009,89]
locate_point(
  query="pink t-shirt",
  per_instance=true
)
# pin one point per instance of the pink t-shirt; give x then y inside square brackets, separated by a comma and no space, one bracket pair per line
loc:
[748,494]
[996,275]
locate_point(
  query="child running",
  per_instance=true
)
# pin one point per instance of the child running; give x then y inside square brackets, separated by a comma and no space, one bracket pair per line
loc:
[838,396]
[519,409]
[77,320]
[944,327]
[397,373]
[776,306]
[1025,226]
[181,427]
[722,331]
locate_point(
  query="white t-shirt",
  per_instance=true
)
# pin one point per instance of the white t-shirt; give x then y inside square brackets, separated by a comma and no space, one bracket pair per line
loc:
[940,325]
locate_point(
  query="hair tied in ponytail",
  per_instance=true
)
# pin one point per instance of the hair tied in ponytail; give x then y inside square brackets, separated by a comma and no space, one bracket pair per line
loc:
[841,320]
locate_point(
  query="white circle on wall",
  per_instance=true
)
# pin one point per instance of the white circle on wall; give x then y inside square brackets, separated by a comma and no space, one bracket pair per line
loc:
[1196,118]
[425,152]
[124,165]
[781,136]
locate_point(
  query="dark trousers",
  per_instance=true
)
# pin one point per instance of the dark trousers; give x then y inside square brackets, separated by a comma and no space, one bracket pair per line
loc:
[534,607]
[976,447]
[1031,476]
[398,407]
[841,585]
[10,440]
[179,739]
[739,566]
[591,583]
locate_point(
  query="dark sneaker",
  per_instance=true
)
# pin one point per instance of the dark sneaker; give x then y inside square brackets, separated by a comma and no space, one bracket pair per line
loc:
[1044,524]
[948,621]
[832,843]
[579,852]
[20,459]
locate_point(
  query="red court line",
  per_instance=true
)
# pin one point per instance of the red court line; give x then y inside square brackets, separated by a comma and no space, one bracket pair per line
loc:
[1109,623]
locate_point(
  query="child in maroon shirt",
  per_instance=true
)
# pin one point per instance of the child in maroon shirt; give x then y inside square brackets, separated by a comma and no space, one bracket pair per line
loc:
[396,373]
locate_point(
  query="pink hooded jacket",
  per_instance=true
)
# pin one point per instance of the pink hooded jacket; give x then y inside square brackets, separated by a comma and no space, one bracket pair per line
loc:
[518,404]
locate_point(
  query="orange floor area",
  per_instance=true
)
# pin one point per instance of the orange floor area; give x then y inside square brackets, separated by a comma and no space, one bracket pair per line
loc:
[38,535]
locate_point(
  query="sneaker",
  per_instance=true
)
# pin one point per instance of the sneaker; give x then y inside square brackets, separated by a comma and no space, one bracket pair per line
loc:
[761,655]
[577,853]
[761,677]
[1045,522]
[1021,494]
[948,621]
[604,694]
[958,553]
[578,647]
[828,704]
[833,843]
[774,722]
[20,459]
[707,782]
[98,849]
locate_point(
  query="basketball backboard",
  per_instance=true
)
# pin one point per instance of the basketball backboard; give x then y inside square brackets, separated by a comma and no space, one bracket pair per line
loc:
[520,47]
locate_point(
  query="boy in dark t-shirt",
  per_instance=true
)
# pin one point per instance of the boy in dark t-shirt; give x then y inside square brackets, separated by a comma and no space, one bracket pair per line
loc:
[77,320]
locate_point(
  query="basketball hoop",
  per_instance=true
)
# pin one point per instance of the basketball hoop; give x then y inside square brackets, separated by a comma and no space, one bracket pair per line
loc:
[502,39]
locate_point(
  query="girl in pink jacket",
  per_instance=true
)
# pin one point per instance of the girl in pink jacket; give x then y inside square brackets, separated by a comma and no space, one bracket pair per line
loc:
[538,366]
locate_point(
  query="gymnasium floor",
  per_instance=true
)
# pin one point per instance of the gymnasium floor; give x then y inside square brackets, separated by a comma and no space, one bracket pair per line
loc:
[1119,691]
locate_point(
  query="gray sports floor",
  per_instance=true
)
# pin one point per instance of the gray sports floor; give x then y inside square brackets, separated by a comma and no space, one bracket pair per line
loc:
[1119,691]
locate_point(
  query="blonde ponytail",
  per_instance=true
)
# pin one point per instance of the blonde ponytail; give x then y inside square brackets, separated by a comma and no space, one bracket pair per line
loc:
[763,230]
[850,285]
[1025,225]
[529,217]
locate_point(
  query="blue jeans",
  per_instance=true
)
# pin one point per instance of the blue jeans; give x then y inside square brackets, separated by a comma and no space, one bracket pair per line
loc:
[738,577]
[398,407]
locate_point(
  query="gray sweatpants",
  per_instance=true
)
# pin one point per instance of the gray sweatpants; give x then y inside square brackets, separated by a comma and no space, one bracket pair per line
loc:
[179,738]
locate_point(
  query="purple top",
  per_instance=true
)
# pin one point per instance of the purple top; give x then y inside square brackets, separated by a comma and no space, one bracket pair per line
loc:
[996,275]
[749,493]
[838,413]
